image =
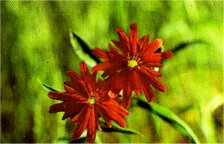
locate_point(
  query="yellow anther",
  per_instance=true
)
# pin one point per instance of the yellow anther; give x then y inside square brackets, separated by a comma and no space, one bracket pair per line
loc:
[132,63]
[91,100]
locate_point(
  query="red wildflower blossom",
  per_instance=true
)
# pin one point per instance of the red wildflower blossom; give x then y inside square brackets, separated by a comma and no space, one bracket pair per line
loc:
[132,68]
[84,101]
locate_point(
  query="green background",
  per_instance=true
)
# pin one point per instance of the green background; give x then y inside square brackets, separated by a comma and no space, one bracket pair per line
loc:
[36,49]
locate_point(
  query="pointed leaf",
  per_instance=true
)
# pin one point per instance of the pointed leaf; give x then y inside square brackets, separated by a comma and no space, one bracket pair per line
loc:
[184,45]
[82,50]
[49,87]
[169,117]
[117,128]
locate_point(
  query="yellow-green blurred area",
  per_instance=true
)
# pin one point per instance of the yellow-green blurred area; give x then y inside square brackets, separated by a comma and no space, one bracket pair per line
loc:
[36,49]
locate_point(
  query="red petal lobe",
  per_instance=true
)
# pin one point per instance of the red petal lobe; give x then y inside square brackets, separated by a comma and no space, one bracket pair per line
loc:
[133,38]
[100,53]
[101,66]
[82,124]
[167,54]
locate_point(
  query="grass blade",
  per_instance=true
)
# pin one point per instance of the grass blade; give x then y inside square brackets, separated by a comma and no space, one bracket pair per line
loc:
[82,50]
[169,117]
[49,88]
[184,45]
[117,128]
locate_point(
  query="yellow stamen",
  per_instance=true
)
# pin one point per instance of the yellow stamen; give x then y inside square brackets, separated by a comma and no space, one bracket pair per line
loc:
[91,100]
[132,63]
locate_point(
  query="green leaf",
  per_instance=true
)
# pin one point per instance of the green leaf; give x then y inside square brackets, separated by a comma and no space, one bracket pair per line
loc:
[49,87]
[184,45]
[82,50]
[117,128]
[169,117]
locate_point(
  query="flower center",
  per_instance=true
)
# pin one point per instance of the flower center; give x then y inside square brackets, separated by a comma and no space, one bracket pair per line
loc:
[91,100]
[132,63]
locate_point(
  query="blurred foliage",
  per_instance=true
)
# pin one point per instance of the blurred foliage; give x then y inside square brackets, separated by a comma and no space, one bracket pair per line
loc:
[36,49]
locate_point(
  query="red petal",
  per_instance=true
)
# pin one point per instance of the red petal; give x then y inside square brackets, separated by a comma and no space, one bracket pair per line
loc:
[105,117]
[97,121]
[153,80]
[119,81]
[66,96]
[70,113]
[69,108]
[112,49]
[113,105]
[56,108]
[84,71]
[109,71]
[82,123]
[91,134]
[69,89]
[127,97]
[86,76]
[133,38]
[157,84]
[83,67]
[153,64]
[77,88]
[103,87]
[77,83]
[143,43]
[123,46]
[149,94]
[101,66]
[112,115]
[74,76]
[157,43]
[147,90]
[82,111]
[151,71]
[134,82]
[90,80]
[122,35]
[153,58]
[114,67]
[167,54]
[100,53]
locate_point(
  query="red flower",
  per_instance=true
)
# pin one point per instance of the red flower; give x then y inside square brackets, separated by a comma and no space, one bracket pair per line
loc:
[84,101]
[132,68]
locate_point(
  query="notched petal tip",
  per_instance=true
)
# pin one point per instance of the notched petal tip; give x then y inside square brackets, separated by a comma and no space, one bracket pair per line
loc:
[53,95]
[100,53]
[83,66]
[118,30]
[73,75]
[158,42]
[125,125]
[167,54]
[101,66]
[134,26]
[163,89]
[69,72]
[122,124]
